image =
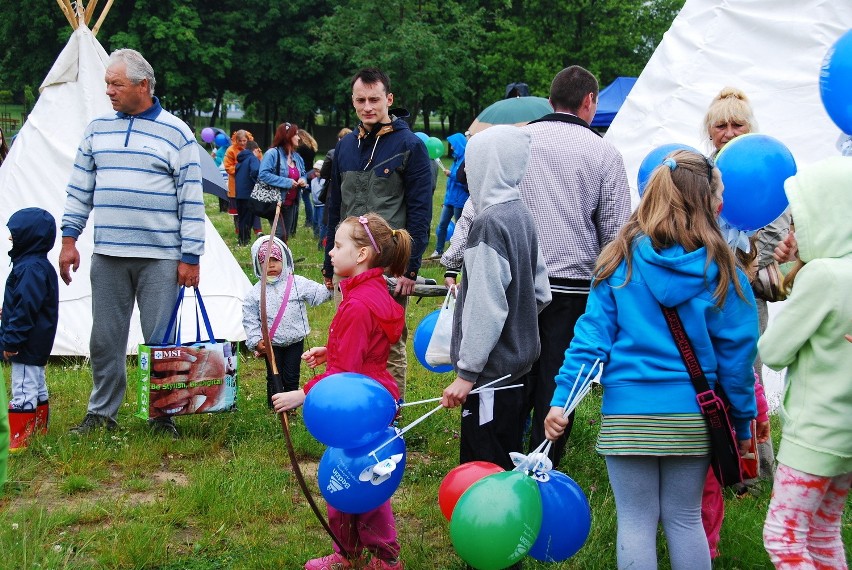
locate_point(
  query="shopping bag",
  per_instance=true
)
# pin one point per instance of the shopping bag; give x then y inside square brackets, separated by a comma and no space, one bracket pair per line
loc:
[438,350]
[196,377]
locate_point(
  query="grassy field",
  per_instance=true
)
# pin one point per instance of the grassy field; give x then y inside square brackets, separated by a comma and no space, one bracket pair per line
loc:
[224,495]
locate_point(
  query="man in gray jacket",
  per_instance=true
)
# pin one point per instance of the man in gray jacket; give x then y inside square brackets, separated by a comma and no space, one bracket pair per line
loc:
[495,324]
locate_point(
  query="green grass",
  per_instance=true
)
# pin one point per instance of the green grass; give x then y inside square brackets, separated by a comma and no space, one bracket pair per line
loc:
[225,497]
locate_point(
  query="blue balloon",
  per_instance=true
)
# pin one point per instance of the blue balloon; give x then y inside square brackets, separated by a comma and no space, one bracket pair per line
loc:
[450,229]
[222,140]
[348,410]
[754,168]
[422,136]
[655,159]
[422,335]
[347,478]
[835,82]
[566,519]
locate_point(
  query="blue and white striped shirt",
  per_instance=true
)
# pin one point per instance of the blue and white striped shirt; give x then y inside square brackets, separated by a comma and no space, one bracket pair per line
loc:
[142,177]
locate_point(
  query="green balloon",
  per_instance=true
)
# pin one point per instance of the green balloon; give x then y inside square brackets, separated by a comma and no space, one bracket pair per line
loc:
[435,147]
[497,520]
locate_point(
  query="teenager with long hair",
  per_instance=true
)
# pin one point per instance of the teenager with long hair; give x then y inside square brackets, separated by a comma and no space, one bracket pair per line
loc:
[670,253]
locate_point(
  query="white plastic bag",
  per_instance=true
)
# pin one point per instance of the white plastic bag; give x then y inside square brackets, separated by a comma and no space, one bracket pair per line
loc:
[438,351]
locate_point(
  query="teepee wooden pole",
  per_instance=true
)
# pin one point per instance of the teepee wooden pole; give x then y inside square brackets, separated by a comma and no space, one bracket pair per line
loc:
[101,18]
[80,13]
[65,5]
[90,10]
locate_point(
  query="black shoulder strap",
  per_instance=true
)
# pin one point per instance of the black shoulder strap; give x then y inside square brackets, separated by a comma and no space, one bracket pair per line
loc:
[278,161]
[684,347]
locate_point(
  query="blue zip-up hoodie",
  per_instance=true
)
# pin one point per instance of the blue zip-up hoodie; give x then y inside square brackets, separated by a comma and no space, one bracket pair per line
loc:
[31,299]
[246,172]
[643,372]
[457,192]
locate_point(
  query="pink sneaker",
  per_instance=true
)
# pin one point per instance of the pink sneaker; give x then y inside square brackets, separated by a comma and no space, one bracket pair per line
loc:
[379,564]
[333,561]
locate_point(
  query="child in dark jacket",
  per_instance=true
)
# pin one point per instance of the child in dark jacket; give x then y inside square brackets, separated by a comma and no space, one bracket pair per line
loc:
[245,177]
[29,318]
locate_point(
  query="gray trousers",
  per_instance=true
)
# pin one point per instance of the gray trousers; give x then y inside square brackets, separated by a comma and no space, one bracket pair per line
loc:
[116,283]
[649,490]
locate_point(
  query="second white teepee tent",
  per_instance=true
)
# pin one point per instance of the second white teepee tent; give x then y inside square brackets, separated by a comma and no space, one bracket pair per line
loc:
[771,49]
[37,170]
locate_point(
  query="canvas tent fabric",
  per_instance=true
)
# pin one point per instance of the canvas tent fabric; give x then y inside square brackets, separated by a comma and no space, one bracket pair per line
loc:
[37,170]
[771,50]
[610,100]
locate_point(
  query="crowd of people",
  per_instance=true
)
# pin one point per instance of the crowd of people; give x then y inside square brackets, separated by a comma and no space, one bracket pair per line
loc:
[552,272]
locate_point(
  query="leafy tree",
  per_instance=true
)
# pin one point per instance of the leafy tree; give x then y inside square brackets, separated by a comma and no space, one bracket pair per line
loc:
[184,50]
[288,59]
[33,33]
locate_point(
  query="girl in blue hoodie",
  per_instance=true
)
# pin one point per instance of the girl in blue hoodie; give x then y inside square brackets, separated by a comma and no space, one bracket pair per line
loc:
[653,436]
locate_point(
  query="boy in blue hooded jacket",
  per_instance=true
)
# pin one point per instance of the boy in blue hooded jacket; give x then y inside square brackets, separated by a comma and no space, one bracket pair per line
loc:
[29,319]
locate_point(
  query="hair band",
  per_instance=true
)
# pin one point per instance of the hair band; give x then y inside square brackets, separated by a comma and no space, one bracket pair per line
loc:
[365,223]
[670,162]
[710,166]
[393,233]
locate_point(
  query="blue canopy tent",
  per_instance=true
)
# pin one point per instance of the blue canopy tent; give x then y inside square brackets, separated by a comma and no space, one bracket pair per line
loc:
[610,100]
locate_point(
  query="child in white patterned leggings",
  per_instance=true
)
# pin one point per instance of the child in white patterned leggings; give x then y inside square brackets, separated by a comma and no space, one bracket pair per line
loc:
[803,525]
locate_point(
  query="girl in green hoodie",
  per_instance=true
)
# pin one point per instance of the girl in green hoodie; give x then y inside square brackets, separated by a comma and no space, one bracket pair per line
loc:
[803,525]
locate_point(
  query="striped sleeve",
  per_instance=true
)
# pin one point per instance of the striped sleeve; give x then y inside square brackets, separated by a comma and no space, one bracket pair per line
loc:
[79,199]
[190,203]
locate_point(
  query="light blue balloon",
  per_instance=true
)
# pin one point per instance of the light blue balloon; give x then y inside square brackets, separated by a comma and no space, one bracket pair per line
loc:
[566,519]
[754,168]
[422,335]
[655,159]
[422,136]
[348,410]
[344,474]
[835,82]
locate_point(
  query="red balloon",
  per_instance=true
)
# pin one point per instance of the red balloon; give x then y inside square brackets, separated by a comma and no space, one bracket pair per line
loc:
[459,480]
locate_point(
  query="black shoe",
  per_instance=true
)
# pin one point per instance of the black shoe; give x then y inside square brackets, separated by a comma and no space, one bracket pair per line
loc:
[164,426]
[93,422]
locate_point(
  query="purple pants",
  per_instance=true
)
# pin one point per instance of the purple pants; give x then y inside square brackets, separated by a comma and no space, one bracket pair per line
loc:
[374,531]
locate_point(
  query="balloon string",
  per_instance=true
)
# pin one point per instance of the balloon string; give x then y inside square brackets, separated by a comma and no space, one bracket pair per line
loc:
[424,416]
[578,391]
[402,431]
[477,391]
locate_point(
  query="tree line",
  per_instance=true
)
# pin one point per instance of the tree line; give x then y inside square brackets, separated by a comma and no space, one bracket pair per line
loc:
[291,59]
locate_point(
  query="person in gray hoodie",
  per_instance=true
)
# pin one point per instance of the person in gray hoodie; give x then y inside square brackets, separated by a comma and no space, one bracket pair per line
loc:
[505,286]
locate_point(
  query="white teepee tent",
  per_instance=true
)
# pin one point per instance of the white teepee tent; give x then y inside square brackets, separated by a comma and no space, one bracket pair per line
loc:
[771,49]
[37,170]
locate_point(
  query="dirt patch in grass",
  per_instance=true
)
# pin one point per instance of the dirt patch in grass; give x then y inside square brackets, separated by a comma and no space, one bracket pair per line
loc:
[48,494]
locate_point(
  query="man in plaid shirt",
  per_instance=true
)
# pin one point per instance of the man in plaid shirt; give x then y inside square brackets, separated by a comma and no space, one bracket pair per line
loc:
[576,188]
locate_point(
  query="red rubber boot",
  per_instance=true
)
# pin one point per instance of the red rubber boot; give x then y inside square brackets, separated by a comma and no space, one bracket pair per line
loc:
[22,425]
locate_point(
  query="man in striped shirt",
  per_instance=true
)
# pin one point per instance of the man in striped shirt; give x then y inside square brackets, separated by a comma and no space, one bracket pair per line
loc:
[138,171]
[576,188]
